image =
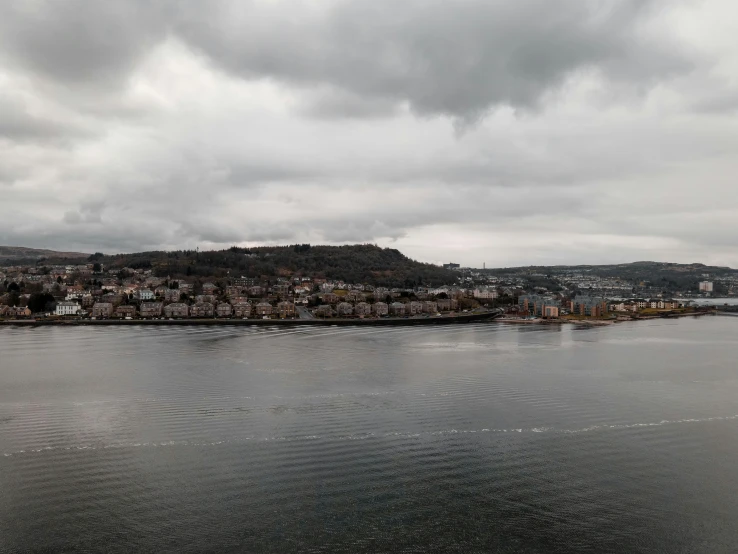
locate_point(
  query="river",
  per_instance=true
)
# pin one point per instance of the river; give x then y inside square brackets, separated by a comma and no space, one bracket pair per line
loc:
[469,438]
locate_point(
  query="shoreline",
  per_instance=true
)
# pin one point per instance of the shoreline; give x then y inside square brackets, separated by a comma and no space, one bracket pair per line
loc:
[391,322]
[599,322]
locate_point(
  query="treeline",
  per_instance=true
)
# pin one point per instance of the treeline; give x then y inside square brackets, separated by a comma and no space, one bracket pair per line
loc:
[354,264]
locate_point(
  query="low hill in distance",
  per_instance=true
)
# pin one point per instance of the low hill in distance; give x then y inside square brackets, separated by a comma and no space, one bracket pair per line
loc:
[21,254]
[361,263]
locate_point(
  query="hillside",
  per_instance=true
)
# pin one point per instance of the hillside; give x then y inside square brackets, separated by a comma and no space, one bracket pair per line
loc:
[356,263]
[20,254]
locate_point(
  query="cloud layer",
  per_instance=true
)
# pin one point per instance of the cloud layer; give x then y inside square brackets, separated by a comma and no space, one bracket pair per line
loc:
[466,130]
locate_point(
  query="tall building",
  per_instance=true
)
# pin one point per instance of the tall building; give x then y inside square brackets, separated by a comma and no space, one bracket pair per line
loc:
[705,286]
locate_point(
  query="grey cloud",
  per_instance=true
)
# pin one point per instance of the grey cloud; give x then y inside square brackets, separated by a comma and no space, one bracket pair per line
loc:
[442,57]
[79,42]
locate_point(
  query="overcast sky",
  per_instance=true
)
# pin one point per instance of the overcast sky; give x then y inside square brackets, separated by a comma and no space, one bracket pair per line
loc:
[475,131]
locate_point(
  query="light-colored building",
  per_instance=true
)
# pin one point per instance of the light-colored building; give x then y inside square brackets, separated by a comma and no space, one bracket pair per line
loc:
[537,305]
[706,286]
[380,309]
[224,310]
[67,308]
[344,308]
[144,294]
[355,296]
[102,309]
[363,309]
[397,308]
[413,308]
[151,309]
[485,293]
[202,309]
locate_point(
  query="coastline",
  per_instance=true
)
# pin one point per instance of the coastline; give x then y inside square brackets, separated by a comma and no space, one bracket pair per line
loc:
[599,322]
[390,322]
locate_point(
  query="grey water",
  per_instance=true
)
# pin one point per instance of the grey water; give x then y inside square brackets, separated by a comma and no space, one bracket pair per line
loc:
[469,438]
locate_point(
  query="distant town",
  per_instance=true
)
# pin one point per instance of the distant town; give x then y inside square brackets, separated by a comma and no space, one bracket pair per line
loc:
[91,290]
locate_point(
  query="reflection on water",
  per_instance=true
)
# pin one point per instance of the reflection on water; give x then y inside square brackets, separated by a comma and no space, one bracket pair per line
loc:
[535,438]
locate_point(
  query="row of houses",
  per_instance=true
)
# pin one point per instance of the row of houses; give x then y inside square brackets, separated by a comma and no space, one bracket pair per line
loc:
[241,309]
[380,309]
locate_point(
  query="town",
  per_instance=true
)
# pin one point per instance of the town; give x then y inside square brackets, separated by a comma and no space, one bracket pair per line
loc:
[92,291]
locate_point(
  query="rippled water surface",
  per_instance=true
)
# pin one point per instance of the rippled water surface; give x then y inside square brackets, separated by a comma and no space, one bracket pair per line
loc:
[471,438]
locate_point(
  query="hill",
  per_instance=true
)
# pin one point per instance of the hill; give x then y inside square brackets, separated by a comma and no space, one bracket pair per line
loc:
[361,263]
[20,254]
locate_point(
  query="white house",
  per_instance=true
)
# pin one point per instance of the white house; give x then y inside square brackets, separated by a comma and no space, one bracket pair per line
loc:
[67,308]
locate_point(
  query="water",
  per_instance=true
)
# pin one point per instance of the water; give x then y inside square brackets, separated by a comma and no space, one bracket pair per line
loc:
[470,438]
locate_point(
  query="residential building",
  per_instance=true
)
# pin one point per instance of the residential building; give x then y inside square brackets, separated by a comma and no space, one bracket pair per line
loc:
[355,296]
[262,309]
[176,309]
[202,309]
[151,309]
[224,310]
[380,309]
[209,288]
[67,308]
[329,298]
[413,308]
[205,298]
[486,293]
[362,309]
[144,294]
[285,309]
[589,306]
[125,311]
[18,311]
[344,309]
[447,304]
[430,307]
[172,295]
[706,286]
[242,309]
[536,305]
[397,308]
[102,309]
[323,310]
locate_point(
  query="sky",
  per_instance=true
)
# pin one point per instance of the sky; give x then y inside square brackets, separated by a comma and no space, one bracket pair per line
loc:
[470,131]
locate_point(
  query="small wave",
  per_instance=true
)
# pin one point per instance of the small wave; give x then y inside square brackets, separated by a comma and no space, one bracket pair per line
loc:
[365,436]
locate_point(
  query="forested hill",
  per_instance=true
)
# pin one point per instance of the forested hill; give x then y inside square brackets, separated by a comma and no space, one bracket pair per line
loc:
[353,264]
[20,254]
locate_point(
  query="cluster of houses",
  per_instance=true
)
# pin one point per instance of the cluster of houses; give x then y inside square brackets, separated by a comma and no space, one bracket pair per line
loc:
[548,306]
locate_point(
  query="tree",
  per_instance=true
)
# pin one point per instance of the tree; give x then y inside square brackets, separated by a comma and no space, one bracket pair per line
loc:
[38,301]
[96,268]
[13,287]
[13,299]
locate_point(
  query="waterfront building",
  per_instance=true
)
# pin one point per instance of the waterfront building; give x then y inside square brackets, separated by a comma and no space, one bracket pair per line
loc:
[344,309]
[413,308]
[102,309]
[125,311]
[202,309]
[263,308]
[430,307]
[285,309]
[242,309]
[397,308]
[380,309]
[224,310]
[537,305]
[151,309]
[67,308]
[362,309]
[323,311]
[593,306]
